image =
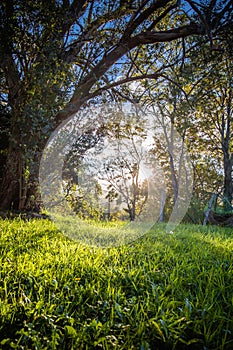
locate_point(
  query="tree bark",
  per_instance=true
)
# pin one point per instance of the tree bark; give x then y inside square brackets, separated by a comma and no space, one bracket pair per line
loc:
[20,190]
[228,183]
[10,185]
[162,203]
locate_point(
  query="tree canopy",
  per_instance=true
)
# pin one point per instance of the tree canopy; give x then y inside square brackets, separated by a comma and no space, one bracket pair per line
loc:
[57,56]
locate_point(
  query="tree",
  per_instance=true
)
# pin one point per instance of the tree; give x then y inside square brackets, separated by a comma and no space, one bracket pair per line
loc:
[58,55]
[4,130]
[123,181]
[171,113]
[197,93]
[77,191]
[213,122]
[109,155]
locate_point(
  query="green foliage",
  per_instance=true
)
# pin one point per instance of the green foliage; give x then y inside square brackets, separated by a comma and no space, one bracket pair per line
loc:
[58,55]
[85,205]
[196,210]
[166,291]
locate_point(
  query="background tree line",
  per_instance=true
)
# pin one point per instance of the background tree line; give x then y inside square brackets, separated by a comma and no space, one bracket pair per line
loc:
[59,56]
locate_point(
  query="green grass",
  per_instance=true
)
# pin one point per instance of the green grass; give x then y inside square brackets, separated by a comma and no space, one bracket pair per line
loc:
[101,234]
[165,291]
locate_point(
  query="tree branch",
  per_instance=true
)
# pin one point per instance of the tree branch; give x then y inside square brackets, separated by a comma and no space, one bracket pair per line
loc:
[150,37]
[81,94]
[163,15]
[144,15]
[76,46]
[203,20]
[124,81]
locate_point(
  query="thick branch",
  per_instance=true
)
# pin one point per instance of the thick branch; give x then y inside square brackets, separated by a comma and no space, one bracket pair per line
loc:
[151,37]
[81,94]
[91,30]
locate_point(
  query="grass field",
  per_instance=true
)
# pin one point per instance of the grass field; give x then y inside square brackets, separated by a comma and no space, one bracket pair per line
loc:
[165,291]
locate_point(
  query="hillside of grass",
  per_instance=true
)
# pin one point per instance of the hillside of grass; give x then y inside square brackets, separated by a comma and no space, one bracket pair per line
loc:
[165,291]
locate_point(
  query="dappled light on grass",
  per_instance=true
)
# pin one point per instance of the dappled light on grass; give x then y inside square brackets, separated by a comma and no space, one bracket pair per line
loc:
[170,291]
[101,233]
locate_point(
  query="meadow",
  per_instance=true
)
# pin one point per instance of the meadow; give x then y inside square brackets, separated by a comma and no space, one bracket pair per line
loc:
[163,291]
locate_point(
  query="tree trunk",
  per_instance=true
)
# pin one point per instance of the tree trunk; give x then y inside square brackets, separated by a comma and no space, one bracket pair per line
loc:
[19,189]
[162,203]
[33,200]
[11,181]
[109,208]
[228,183]
[132,213]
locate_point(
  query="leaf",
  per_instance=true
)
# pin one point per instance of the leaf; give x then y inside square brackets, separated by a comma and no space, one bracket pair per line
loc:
[5,341]
[70,331]
[156,325]
[189,342]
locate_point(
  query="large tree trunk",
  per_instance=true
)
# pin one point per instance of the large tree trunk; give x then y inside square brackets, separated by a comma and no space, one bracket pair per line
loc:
[32,200]
[19,188]
[10,186]
[228,183]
